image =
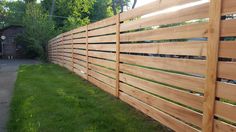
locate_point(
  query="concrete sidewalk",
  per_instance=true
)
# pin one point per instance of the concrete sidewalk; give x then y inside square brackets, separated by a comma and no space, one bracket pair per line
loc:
[8,74]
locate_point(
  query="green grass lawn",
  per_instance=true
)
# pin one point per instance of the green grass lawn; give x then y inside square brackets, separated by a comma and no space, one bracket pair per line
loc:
[48,98]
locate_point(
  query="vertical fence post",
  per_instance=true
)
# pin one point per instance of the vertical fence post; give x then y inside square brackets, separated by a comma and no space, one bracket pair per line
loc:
[212,64]
[87,63]
[48,52]
[117,54]
[63,51]
[72,39]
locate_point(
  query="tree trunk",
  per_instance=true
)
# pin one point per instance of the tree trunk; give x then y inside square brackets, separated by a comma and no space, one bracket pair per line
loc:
[114,7]
[134,4]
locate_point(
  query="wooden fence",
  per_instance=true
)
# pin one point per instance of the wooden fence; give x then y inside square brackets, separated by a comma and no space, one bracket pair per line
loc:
[176,66]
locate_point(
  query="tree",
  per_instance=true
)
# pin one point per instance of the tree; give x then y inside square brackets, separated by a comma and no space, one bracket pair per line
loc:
[3,13]
[30,1]
[16,11]
[38,30]
[118,5]
[101,9]
[69,14]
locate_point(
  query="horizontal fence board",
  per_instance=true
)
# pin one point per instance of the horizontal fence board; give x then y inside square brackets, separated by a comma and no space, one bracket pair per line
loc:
[226,91]
[227,49]
[173,64]
[157,5]
[81,68]
[196,12]
[67,42]
[227,70]
[78,30]
[102,31]
[104,55]
[225,111]
[83,40]
[158,115]
[102,78]
[68,50]
[102,47]
[102,39]
[102,23]
[228,6]
[79,35]
[82,52]
[164,91]
[183,81]
[220,126]
[68,38]
[80,57]
[103,70]
[169,48]
[228,28]
[105,63]
[79,62]
[175,110]
[181,32]
[102,85]
[68,46]
[81,74]
[79,46]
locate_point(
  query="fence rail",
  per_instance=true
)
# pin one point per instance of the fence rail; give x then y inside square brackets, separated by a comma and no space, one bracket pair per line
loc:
[176,66]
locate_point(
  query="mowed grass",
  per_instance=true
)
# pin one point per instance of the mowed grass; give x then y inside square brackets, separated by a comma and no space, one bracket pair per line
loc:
[49,98]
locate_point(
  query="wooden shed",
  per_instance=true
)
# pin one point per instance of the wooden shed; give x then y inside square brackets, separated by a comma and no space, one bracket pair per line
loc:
[9,48]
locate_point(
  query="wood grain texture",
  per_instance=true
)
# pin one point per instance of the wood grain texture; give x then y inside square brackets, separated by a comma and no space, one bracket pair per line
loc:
[103,70]
[172,64]
[173,109]
[101,62]
[176,95]
[102,78]
[168,48]
[181,32]
[226,111]
[103,31]
[212,63]
[226,91]
[102,47]
[220,126]
[227,70]
[102,39]
[102,23]
[158,115]
[157,5]
[227,49]
[87,50]
[103,55]
[228,7]
[228,28]
[117,54]
[186,82]
[102,85]
[196,12]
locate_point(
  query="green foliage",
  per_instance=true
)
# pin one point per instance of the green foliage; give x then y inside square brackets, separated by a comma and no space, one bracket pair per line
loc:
[38,30]
[69,14]
[48,98]
[15,12]
[101,9]
[3,13]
